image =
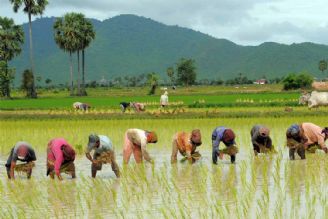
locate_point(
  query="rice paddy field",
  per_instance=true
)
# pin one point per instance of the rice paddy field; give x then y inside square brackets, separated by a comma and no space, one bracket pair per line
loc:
[267,186]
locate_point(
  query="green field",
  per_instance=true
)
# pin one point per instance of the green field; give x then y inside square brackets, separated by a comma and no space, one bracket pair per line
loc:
[267,186]
[215,96]
[255,187]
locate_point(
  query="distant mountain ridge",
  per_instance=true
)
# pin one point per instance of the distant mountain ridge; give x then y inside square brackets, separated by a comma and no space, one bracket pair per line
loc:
[131,45]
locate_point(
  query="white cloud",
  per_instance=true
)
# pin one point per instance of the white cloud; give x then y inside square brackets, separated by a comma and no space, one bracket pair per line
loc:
[247,22]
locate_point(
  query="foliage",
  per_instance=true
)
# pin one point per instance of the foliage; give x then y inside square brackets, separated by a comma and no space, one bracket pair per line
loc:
[27,82]
[322,65]
[296,81]
[152,80]
[170,74]
[186,71]
[30,7]
[241,79]
[11,40]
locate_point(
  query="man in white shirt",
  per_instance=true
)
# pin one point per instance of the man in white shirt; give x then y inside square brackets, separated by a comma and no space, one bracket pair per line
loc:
[164,101]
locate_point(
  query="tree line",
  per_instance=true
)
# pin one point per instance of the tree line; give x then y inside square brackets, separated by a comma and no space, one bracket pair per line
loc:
[73,33]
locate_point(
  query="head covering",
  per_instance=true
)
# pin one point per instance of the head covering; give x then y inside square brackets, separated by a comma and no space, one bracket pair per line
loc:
[165,93]
[22,152]
[264,131]
[228,137]
[293,130]
[93,139]
[152,137]
[196,137]
[325,131]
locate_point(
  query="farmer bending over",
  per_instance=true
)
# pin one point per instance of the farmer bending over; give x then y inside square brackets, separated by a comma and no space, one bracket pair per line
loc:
[186,144]
[103,154]
[135,140]
[124,106]
[138,107]
[24,153]
[60,158]
[306,136]
[261,140]
[227,136]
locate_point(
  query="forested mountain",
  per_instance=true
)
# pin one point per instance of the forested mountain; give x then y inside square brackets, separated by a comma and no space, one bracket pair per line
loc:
[131,45]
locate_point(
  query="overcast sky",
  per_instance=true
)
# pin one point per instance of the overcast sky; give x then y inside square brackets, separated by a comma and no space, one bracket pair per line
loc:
[246,22]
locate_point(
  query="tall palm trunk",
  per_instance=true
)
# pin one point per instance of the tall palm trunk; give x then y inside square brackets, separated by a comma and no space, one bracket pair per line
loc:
[71,71]
[7,82]
[78,74]
[33,93]
[84,93]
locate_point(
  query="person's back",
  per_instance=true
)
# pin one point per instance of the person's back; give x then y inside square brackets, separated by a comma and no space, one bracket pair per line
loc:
[164,100]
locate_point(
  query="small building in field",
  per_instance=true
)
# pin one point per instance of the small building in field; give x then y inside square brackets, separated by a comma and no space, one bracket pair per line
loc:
[261,81]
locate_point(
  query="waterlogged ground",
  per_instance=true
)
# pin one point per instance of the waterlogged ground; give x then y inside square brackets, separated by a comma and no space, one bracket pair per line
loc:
[254,187]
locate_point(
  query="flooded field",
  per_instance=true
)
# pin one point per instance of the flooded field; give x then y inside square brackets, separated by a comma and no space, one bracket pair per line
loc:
[267,186]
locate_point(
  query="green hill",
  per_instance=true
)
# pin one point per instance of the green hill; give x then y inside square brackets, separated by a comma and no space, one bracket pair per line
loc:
[129,44]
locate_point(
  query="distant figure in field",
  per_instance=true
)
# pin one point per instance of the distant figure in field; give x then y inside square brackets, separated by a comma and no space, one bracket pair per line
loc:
[306,136]
[261,140]
[103,154]
[135,141]
[164,100]
[138,107]
[24,153]
[60,158]
[124,106]
[81,106]
[227,136]
[186,144]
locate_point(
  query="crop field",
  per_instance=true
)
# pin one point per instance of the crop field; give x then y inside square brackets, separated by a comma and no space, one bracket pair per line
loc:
[267,186]
[220,96]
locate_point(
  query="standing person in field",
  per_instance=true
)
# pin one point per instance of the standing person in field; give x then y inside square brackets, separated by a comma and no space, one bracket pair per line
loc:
[124,106]
[135,141]
[227,136]
[138,107]
[103,154]
[24,153]
[186,144]
[164,100]
[60,158]
[306,137]
[261,140]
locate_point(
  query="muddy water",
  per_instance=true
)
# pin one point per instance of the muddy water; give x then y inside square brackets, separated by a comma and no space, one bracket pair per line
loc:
[255,187]
[268,186]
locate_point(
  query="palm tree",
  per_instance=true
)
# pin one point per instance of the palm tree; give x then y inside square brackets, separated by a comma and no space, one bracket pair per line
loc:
[322,65]
[31,7]
[11,40]
[67,37]
[88,34]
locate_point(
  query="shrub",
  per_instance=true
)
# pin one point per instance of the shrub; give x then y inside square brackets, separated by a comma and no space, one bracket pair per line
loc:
[293,81]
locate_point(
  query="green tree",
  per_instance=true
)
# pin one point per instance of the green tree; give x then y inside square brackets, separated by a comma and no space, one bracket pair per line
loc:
[30,7]
[27,81]
[87,37]
[68,38]
[186,71]
[294,81]
[152,80]
[322,65]
[11,40]
[170,74]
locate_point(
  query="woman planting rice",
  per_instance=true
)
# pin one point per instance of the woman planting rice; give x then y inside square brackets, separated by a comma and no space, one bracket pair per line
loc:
[227,136]
[24,153]
[186,144]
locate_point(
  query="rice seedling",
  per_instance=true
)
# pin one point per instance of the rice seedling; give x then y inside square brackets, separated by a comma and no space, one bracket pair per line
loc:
[265,186]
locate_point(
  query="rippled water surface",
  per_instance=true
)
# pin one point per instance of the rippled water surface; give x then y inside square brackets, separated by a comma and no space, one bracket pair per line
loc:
[264,186]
